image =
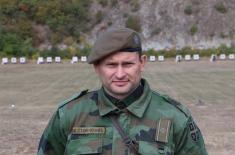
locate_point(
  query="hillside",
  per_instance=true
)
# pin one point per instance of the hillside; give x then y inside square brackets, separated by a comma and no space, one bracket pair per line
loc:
[26,25]
[167,23]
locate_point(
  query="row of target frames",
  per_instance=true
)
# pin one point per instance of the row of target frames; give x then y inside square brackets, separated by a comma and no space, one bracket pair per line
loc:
[75,59]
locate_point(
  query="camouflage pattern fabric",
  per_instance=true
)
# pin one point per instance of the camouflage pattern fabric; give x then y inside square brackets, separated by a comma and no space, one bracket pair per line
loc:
[160,125]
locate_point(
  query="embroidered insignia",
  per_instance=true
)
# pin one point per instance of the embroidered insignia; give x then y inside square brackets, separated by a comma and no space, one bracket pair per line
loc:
[136,39]
[163,129]
[194,131]
[88,130]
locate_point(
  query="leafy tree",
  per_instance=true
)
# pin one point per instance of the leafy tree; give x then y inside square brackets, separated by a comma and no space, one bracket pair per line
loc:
[11,44]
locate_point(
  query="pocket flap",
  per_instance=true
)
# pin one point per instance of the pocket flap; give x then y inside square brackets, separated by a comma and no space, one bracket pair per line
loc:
[150,148]
[84,145]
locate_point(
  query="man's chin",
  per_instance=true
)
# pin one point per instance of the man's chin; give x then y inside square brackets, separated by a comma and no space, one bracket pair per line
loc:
[120,90]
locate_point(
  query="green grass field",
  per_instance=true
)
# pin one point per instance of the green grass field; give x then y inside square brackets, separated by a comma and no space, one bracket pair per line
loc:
[207,89]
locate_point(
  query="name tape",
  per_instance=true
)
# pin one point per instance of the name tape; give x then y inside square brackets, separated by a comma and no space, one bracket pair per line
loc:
[88,130]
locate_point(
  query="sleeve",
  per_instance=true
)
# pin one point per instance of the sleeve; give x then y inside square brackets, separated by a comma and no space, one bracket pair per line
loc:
[53,139]
[190,141]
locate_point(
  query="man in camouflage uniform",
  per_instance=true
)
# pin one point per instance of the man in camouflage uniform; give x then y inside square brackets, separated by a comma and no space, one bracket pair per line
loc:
[125,116]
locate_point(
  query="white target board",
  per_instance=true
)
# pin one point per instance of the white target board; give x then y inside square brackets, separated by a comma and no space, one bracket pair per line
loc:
[22,60]
[231,56]
[161,58]
[196,57]
[57,59]
[49,60]
[4,61]
[178,58]
[40,60]
[83,59]
[187,57]
[13,60]
[152,58]
[74,59]
[222,56]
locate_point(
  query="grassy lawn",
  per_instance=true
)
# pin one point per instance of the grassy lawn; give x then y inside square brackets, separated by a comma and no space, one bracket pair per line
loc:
[206,88]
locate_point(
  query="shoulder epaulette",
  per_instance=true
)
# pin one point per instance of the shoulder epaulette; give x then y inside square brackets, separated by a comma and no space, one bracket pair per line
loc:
[75,96]
[177,104]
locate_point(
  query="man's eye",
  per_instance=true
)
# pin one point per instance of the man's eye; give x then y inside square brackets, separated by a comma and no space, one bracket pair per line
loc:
[128,64]
[111,65]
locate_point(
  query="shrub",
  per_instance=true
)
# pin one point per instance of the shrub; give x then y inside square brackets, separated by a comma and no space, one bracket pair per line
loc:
[223,49]
[99,16]
[193,30]
[188,10]
[169,53]
[84,51]
[150,52]
[220,8]
[223,35]
[133,22]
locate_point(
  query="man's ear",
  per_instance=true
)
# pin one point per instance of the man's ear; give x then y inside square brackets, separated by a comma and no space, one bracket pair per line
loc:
[143,61]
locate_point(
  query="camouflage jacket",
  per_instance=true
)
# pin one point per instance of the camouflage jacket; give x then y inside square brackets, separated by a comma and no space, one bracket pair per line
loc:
[160,126]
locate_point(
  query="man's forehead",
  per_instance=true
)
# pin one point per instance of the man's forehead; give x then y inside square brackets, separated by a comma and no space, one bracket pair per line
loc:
[121,56]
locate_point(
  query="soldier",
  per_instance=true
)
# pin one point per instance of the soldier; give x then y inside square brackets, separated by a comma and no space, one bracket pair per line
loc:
[125,116]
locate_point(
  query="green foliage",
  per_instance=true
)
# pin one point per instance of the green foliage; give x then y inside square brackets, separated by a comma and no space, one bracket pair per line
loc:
[188,10]
[1,38]
[223,35]
[99,16]
[169,53]
[24,28]
[133,22]
[9,8]
[13,45]
[26,49]
[193,30]
[65,18]
[150,52]
[84,51]
[220,8]
[135,6]
[223,49]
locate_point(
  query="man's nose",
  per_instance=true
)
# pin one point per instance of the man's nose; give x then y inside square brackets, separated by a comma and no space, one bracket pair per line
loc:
[120,72]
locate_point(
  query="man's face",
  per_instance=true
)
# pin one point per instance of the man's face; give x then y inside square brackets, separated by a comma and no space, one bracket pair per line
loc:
[120,73]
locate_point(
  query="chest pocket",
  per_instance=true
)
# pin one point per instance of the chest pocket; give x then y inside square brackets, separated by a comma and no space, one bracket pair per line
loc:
[156,141]
[152,148]
[89,143]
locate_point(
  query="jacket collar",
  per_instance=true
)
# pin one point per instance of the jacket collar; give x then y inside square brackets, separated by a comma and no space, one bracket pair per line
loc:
[137,108]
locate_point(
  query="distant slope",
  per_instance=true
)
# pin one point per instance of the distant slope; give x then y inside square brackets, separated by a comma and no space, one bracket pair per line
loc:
[161,23]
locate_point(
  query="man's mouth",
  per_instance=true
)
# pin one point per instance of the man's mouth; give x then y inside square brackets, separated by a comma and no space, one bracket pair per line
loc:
[120,83]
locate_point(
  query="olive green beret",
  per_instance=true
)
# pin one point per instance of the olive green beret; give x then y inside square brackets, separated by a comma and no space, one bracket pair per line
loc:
[111,41]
